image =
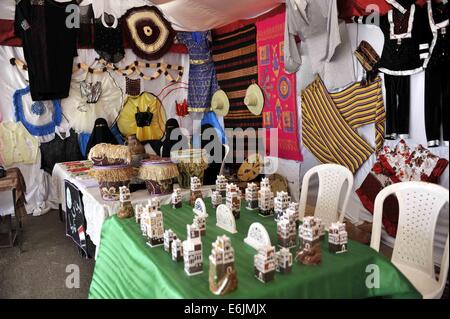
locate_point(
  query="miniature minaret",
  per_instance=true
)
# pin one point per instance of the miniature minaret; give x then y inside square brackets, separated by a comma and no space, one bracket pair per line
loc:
[200,223]
[287,230]
[126,209]
[216,198]
[281,203]
[221,185]
[177,198]
[251,196]
[265,200]
[222,273]
[192,252]
[265,264]
[155,224]
[337,238]
[294,208]
[284,261]
[177,250]
[169,237]
[233,199]
[196,191]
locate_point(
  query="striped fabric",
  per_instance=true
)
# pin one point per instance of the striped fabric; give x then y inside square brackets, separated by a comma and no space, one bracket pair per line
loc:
[330,121]
[235,59]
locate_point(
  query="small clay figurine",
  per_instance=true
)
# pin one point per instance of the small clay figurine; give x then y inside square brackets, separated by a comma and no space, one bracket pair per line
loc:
[310,255]
[337,238]
[126,209]
[221,185]
[233,199]
[284,261]
[192,251]
[281,203]
[139,210]
[196,191]
[265,264]
[310,252]
[200,223]
[177,250]
[287,230]
[265,199]
[251,196]
[155,225]
[177,199]
[222,272]
[169,237]
[216,199]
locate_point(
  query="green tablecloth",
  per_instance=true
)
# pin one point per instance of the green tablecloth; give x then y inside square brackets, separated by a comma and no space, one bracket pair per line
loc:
[127,268]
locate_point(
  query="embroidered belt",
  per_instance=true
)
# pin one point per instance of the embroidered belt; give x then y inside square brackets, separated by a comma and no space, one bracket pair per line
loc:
[199,62]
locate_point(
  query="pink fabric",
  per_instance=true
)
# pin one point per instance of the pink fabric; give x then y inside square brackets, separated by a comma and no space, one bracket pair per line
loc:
[279,88]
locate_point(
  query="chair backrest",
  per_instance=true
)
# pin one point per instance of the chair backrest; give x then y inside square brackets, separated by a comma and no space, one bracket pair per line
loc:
[419,207]
[332,178]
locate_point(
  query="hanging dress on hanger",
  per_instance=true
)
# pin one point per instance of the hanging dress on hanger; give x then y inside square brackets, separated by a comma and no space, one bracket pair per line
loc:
[108,41]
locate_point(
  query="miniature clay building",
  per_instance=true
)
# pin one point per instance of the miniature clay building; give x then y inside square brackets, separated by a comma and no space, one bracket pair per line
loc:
[155,226]
[265,264]
[169,237]
[177,198]
[216,199]
[192,251]
[284,261]
[200,223]
[251,196]
[294,208]
[233,199]
[281,203]
[196,191]
[139,209]
[126,209]
[287,230]
[222,273]
[265,198]
[221,185]
[177,250]
[310,232]
[337,238]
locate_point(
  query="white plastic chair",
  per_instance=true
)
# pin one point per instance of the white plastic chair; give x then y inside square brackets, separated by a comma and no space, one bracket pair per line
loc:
[419,207]
[331,181]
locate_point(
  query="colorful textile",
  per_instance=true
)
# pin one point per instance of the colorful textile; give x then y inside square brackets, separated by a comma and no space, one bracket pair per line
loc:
[236,63]
[202,75]
[127,268]
[280,105]
[330,121]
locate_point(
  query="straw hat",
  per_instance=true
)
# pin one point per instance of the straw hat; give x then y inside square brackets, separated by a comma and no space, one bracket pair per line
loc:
[254,99]
[220,103]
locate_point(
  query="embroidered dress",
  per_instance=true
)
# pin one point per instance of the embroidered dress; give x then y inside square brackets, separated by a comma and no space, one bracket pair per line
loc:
[202,75]
[18,146]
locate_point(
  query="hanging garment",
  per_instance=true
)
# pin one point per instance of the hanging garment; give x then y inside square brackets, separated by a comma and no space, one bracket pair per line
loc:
[40,118]
[108,41]
[330,121]
[95,96]
[60,150]
[18,145]
[397,106]
[143,116]
[202,75]
[49,46]
[85,36]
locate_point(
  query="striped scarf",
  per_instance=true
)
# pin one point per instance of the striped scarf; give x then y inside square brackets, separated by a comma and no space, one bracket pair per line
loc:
[330,121]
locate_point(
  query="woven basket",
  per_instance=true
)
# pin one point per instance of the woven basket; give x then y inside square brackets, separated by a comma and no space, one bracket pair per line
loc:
[191,162]
[159,175]
[110,178]
[107,154]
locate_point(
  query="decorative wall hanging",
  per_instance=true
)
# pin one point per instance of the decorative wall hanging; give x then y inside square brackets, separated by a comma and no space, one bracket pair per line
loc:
[279,89]
[150,34]
[108,42]
[40,118]
[144,116]
[97,96]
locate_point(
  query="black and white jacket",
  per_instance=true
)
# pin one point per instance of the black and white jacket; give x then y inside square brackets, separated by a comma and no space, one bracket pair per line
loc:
[439,38]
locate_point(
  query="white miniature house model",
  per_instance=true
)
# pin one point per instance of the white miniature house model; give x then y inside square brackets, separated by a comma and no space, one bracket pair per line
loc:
[169,237]
[222,257]
[281,203]
[177,250]
[200,223]
[196,191]
[155,224]
[294,208]
[192,251]
[310,231]
[139,211]
[221,185]
[284,261]
[216,199]
[287,230]
[177,198]
[124,194]
[265,198]
[233,199]
[265,264]
[251,196]
[337,238]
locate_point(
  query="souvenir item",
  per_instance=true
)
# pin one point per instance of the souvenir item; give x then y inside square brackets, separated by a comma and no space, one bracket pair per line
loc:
[265,198]
[287,230]
[158,175]
[144,116]
[294,209]
[309,255]
[233,200]
[196,192]
[152,205]
[182,108]
[251,196]
[337,238]
[191,162]
[200,208]
[95,96]
[100,134]
[265,263]
[132,86]
[220,103]
[200,223]
[225,219]
[279,88]
[150,34]
[281,203]
[257,236]
[169,237]
[344,114]
[139,209]
[155,226]
[177,198]
[40,118]
[126,209]
[254,99]
[192,251]
[107,154]
[177,250]
[221,185]
[18,145]
[310,231]
[216,199]
[108,42]
[222,272]
[284,261]
[250,169]
[111,178]
[202,74]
